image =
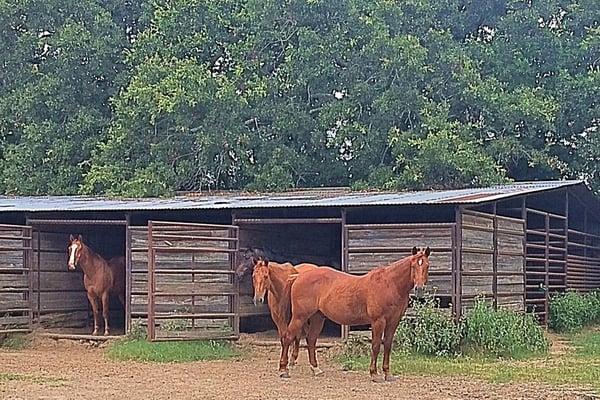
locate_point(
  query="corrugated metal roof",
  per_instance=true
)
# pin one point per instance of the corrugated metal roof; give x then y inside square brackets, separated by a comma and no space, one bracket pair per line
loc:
[310,198]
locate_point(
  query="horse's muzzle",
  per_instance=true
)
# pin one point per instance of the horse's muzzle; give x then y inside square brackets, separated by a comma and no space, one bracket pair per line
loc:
[257,300]
[71,267]
[419,292]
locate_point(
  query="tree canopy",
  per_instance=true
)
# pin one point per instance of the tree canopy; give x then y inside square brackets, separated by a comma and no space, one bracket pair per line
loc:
[144,98]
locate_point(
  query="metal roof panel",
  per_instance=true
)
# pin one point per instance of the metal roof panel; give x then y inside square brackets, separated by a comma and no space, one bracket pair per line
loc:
[310,198]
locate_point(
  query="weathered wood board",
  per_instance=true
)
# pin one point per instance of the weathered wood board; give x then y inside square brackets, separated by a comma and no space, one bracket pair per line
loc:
[15,310]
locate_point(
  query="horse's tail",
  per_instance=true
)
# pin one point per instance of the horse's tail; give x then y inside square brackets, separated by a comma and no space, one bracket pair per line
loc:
[286,300]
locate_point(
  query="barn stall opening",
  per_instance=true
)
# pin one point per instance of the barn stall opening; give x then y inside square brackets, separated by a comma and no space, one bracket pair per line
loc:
[59,298]
[513,244]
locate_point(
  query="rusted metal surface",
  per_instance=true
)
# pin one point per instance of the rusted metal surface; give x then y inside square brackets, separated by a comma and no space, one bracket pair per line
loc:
[192,293]
[280,200]
[545,259]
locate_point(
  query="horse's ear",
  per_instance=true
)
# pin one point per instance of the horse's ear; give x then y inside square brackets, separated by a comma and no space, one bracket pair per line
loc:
[427,251]
[71,238]
[414,250]
[79,238]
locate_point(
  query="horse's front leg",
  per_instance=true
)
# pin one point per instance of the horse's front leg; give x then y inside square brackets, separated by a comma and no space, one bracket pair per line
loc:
[93,302]
[377,328]
[105,313]
[388,340]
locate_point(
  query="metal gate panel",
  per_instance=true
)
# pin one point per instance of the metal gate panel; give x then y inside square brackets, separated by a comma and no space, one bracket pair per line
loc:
[192,291]
[15,279]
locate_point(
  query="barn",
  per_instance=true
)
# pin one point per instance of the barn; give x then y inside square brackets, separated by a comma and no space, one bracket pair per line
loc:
[514,244]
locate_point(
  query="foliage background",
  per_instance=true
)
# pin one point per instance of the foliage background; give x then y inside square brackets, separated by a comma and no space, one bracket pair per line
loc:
[143,98]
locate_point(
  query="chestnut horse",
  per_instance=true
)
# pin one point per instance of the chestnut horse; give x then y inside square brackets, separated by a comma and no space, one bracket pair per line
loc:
[378,298]
[100,277]
[274,278]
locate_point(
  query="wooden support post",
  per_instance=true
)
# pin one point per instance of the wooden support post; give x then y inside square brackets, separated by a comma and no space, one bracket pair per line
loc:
[457,263]
[345,329]
[524,218]
[151,286]
[495,255]
[127,275]
[546,269]
[566,253]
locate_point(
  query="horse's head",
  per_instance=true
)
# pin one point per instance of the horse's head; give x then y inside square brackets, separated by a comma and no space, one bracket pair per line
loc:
[247,260]
[74,251]
[419,268]
[245,263]
[261,279]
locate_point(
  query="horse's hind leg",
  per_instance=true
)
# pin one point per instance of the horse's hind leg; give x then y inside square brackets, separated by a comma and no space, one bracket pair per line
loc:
[292,332]
[314,330]
[105,313]
[296,349]
[92,299]
[295,352]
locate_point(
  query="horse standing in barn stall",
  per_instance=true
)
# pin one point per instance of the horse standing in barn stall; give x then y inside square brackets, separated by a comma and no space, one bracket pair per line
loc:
[100,277]
[378,298]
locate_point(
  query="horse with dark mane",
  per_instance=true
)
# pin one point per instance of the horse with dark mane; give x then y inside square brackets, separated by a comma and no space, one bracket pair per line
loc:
[100,277]
[378,298]
[272,278]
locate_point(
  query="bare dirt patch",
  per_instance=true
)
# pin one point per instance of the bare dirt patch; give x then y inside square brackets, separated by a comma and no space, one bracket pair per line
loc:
[70,370]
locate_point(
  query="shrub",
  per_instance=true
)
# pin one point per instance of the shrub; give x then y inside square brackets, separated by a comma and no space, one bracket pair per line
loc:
[484,330]
[571,311]
[432,331]
[501,332]
[137,331]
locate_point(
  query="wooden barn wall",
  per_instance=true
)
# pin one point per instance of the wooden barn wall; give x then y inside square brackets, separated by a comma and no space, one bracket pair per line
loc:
[15,306]
[194,294]
[492,259]
[295,243]
[375,245]
[60,299]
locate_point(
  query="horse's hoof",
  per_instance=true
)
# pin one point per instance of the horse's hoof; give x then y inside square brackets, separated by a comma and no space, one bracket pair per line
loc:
[292,363]
[391,378]
[316,371]
[284,374]
[106,333]
[95,333]
[376,378]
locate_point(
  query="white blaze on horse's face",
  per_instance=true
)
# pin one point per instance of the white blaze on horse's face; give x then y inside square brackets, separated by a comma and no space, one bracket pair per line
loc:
[420,269]
[74,247]
[261,281]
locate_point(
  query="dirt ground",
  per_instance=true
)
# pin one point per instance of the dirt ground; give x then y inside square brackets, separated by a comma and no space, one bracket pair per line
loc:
[70,370]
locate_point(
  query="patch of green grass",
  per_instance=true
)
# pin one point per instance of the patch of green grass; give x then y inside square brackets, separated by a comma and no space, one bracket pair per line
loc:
[185,351]
[558,370]
[14,342]
[6,377]
[586,344]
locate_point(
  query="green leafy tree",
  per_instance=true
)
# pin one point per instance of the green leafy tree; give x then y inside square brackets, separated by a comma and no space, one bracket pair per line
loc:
[61,62]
